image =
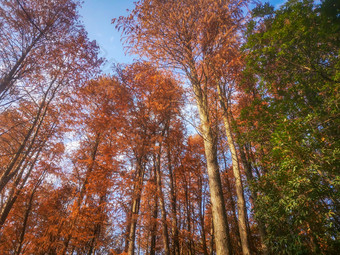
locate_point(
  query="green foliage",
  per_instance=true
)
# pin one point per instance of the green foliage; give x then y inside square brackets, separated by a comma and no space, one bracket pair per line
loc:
[293,61]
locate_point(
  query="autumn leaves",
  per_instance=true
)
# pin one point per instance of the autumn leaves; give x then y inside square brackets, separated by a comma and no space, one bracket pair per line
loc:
[260,177]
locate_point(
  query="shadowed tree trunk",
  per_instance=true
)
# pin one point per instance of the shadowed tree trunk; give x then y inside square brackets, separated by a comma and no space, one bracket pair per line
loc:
[175,241]
[165,234]
[202,214]
[154,222]
[27,213]
[137,194]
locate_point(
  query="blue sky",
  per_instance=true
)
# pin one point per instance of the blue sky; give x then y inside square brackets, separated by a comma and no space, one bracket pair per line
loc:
[97,16]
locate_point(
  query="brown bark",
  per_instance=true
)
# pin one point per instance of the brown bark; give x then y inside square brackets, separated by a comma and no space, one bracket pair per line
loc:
[97,227]
[10,77]
[241,205]
[220,221]
[16,191]
[221,228]
[232,202]
[253,198]
[175,241]
[29,139]
[135,206]
[188,212]
[246,161]
[154,223]
[165,234]
[27,212]
[211,245]
[202,213]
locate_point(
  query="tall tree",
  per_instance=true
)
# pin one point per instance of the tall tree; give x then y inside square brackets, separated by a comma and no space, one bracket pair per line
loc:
[40,65]
[293,66]
[174,33]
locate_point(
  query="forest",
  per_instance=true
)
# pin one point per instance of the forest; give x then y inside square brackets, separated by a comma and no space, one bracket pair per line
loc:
[222,137]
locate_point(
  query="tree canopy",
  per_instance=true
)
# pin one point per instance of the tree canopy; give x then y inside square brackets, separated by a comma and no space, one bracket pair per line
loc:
[113,164]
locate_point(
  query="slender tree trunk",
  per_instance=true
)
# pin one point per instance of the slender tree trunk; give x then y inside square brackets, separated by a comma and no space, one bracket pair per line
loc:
[133,225]
[97,227]
[12,198]
[82,193]
[33,131]
[202,213]
[232,202]
[8,173]
[154,223]
[9,78]
[135,206]
[246,161]
[24,225]
[188,216]
[212,240]
[253,198]
[241,205]
[175,241]
[162,205]
[221,228]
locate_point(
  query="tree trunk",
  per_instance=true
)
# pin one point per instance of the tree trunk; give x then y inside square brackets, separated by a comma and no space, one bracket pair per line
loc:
[241,205]
[135,206]
[14,195]
[33,131]
[188,214]
[253,198]
[154,223]
[10,77]
[246,161]
[202,213]
[232,202]
[221,228]
[212,240]
[175,241]
[24,225]
[162,205]
[82,193]
[97,227]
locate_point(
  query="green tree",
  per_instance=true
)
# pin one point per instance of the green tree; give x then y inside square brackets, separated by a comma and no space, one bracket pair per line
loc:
[293,81]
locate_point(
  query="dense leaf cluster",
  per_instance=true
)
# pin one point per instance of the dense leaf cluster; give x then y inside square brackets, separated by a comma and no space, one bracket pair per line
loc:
[293,63]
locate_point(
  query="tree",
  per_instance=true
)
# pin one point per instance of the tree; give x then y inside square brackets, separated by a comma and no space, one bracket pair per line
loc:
[293,64]
[176,33]
[136,108]
[32,34]
[40,65]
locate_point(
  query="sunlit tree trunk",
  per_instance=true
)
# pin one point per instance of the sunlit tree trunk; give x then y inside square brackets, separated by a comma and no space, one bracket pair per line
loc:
[221,228]
[241,204]
[246,161]
[232,200]
[161,201]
